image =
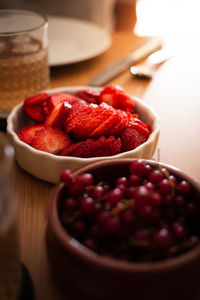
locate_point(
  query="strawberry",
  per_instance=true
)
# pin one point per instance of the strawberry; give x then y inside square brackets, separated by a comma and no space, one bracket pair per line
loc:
[90,122]
[58,98]
[77,115]
[34,107]
[92,148]
[46,108]
[124,101]
[132,115]
[116,97]
[133,135]
[80,149]
[107,95]
[50,140]
[137,121]
[105,127]
[67,151]
[116,130]
[91,96]
[58,115]
[27,133]
[116,147]
[85,149]
[106,146]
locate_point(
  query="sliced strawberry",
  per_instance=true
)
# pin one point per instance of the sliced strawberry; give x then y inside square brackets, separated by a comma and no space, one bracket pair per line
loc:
[143,130]
[89,123]
[27,133]
[67,151]
[134,115]
[50,140]
[99,146]
[85,149]
[46,108]
[58,98]
[116,130]
[107,95]
[34,107]
[124,101]
[117,97]
[137,121]
[80,149]
[73,114]
[113,146]
[133,136]
[116,147]
[93,148]
[102,145]
[58,115]
[89,95]
[106,146]
[105,127]
[77,115]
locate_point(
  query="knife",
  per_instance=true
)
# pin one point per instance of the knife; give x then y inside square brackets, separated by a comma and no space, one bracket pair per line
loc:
[121,65]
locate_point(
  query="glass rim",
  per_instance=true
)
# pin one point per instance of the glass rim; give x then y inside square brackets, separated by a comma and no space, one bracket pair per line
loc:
[44,22]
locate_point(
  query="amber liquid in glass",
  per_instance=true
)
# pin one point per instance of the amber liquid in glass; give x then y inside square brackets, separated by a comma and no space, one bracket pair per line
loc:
[23,70]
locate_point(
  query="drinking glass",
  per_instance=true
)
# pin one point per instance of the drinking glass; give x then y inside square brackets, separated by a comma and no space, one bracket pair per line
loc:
[24,67]
[10,268]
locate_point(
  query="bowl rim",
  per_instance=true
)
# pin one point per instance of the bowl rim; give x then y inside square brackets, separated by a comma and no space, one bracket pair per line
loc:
[82,253]
[45,155]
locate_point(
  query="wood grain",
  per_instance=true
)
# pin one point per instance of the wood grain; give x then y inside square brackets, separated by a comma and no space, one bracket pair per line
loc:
[173,93]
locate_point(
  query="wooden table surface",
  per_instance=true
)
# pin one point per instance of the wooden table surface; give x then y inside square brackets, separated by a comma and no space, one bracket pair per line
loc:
[174,93]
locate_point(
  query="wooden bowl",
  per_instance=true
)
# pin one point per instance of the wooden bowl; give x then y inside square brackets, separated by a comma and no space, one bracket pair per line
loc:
[85,274]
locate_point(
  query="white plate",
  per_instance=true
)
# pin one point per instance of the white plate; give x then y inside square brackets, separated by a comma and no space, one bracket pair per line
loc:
[72,40]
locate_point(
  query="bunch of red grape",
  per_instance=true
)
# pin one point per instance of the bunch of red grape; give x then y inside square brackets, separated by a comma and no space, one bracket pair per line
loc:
[146,215]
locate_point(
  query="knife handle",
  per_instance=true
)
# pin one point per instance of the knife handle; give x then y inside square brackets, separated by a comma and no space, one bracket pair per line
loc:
[110,72]
[121,65]
[145,50]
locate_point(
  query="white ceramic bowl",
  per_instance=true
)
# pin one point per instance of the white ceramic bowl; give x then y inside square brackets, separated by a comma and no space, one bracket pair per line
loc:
[47,166]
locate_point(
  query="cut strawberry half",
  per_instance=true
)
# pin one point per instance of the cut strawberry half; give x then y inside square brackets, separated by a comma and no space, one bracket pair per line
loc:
[51,140]
[91,96]
[58,98]
[34,107]
[27,133]
[58,115]
[107,95]
[117,97]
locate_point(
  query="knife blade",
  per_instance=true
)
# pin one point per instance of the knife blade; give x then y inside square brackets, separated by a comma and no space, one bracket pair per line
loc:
[124,63]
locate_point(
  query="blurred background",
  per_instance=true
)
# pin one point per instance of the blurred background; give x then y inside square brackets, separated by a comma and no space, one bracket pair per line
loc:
[154,17]
[168,18]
